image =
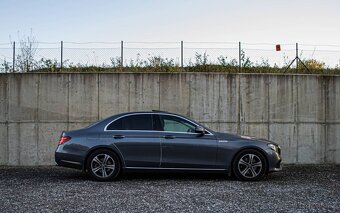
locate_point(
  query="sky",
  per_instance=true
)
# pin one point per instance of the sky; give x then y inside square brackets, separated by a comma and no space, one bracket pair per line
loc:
[270,21]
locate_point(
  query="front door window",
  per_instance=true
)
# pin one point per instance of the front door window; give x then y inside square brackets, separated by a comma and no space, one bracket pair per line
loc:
[176,124]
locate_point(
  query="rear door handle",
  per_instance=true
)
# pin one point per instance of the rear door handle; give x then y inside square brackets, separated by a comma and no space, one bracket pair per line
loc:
[118,136]
[169,137]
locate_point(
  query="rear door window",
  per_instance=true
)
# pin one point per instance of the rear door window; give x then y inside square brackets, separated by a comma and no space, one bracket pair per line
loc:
[133,122]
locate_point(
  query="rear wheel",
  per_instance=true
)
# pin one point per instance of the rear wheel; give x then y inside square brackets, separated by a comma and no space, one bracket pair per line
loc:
[103,165]
[249,165]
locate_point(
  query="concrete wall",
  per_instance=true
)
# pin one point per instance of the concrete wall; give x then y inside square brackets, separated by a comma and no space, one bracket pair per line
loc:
[300,112]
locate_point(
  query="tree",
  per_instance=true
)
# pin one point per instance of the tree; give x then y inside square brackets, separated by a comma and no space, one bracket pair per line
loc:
[28,45]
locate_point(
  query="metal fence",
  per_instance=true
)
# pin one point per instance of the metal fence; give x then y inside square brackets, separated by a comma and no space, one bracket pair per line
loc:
[23,57]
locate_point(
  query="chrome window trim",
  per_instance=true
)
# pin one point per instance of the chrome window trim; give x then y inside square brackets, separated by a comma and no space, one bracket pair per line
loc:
[150,113]
[155,131]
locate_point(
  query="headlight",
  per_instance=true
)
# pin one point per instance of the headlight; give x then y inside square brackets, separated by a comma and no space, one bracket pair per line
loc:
[274,147]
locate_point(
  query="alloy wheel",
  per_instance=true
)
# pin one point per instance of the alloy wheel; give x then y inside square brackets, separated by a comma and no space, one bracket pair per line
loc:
[102,165]
[250,165]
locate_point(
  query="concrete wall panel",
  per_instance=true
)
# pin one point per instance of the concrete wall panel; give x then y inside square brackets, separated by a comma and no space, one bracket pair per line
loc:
[254,98]
[3,144]
[311,98]
[282,98]
[311,143]
[150,95]
[174,93]
[255,130]
[212,126]
[53,97]
[229,100]
[228,127]
[333,99]
[14,144]
[108,95]
[124,92]
[23,97]
[83,97]
[204,97]
[29,144]
[286,136]
[23,144]
[332,152]
[3,97]
[75,126]
[49,134]
[136,92]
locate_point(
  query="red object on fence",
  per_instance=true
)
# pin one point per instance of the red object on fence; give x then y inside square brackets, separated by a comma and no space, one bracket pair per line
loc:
[278,47]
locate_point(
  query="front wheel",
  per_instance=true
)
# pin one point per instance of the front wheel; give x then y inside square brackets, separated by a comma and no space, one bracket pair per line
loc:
[103,165]
[249,165]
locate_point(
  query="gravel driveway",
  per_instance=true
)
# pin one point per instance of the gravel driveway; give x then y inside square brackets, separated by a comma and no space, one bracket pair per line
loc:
[55,189]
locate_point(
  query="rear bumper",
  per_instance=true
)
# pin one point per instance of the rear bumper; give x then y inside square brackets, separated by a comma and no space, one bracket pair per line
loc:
[68,160]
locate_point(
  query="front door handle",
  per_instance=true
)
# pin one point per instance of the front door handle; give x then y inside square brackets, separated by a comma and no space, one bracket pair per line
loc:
[169,137]
[118,136]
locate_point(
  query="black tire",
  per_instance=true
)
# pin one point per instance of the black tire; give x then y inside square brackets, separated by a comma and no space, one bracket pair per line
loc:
[103,165]
[249,165]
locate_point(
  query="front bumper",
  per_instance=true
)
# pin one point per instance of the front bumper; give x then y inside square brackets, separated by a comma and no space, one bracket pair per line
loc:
[274,161]
[277,169]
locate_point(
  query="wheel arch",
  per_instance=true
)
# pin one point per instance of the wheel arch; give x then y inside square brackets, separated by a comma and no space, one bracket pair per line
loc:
[111,148]
[253,148]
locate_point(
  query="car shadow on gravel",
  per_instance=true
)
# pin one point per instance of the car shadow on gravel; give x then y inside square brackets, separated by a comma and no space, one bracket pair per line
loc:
[74,175]
[140,176]
[158,176]
[60,174]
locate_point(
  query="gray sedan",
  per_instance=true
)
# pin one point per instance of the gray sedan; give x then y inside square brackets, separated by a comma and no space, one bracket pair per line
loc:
[164,141]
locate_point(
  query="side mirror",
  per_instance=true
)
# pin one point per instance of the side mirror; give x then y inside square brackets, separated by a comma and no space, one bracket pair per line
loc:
[200,130]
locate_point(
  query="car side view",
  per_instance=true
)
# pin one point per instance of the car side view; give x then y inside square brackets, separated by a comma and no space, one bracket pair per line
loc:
[157,140]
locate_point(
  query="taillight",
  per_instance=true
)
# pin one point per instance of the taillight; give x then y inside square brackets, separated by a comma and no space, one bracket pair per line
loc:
[64,139]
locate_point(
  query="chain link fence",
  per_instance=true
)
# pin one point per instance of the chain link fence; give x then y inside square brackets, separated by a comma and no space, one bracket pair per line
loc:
[90,54]
[201,53]
[38,56]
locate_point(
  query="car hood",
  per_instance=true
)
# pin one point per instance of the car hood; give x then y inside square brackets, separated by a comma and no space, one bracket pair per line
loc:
[235,137]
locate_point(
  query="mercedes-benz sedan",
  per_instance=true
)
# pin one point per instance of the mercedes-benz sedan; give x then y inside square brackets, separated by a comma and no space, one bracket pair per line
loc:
[165,141]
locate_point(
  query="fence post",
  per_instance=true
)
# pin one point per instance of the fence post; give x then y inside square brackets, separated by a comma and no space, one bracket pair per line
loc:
[122,54]
[297,56]
[61,54]
[239,57]
[182,54]
[13,66]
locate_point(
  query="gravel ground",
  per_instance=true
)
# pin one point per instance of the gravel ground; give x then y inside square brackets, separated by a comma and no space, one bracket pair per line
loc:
[54,189]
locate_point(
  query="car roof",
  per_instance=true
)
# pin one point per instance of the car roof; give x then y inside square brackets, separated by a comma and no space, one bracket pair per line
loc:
[137,112]
[152,111]
[110,118]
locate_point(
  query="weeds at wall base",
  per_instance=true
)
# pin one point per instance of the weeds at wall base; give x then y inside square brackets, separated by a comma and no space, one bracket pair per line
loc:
[197,68]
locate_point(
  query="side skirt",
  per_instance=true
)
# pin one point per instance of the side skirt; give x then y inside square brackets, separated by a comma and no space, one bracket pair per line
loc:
[174,169]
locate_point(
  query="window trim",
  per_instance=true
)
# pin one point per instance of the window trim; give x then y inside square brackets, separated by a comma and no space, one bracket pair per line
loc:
[150,113]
